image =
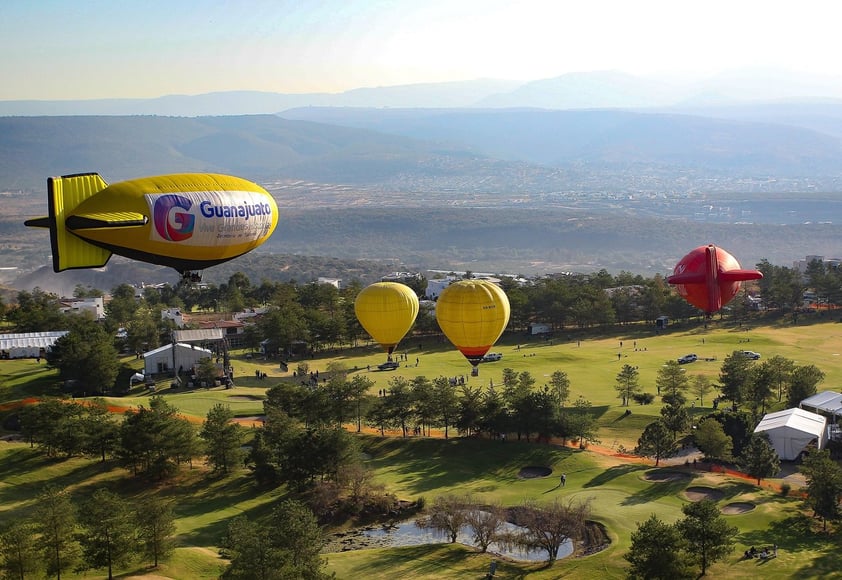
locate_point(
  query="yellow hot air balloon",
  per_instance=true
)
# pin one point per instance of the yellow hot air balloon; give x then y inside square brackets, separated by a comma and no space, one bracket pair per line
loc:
[386,311]
[473,314]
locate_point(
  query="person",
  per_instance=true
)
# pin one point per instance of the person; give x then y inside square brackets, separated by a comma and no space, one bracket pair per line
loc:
[563,479]
[775,550]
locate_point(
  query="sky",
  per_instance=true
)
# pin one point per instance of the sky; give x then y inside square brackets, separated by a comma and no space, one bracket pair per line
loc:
[78,49]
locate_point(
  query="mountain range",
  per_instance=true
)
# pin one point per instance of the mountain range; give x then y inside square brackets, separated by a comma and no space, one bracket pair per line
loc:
[588,90]
[496,174]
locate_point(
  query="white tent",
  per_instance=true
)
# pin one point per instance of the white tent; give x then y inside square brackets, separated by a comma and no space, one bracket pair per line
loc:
[163,359]
[791,430]
[827,403]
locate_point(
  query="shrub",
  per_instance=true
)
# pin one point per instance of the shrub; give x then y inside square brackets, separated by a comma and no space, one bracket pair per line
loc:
[643,398]
[785,487]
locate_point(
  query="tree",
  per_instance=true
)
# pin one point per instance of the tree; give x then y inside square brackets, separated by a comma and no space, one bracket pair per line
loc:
[657,552]
[19,551]
[287,549]
[824,485]
[701,387]
[36,311]
[223,438]
[804,383]
[779,372]
[628,383]
[581,423]
[109,537]
[548,527]
[155,440]
[712,440]
[155,527]
[485,523]
[656,441]
[760,458]
[671,379]
[447,516]
[676,418]
[709,537]
[735,375]
[560,384]
[447,403]
[55,520]
[86,354]
[251,553]
[99,429]
[297,532]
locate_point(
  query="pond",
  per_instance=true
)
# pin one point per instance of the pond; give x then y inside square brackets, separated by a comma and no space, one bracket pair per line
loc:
[406,533]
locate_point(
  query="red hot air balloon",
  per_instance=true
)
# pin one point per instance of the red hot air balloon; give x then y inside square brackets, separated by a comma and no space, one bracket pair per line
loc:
[709,277]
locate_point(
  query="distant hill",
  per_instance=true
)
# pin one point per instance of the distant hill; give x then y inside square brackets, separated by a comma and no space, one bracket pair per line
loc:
[408,149]
[258,147]
[600,138]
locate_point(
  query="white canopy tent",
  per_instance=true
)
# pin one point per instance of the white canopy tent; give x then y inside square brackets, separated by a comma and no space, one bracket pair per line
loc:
[791,430]
[827,403]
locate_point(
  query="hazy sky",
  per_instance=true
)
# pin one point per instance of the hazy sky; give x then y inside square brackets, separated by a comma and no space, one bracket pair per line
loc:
[72,49]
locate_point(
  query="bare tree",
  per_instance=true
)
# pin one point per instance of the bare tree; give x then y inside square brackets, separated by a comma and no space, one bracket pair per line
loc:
[548,527]
[447,516]
[485,523]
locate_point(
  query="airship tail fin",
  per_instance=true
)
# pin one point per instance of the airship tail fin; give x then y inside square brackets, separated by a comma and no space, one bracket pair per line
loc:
[63,195]
[740,275]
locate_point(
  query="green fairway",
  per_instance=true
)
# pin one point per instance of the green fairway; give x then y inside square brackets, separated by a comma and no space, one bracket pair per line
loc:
[619,491]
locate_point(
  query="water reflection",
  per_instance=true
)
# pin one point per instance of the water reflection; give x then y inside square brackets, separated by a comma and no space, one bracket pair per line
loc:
[406,533]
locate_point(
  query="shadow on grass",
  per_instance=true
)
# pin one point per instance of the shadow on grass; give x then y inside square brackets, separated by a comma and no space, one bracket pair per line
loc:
[424,464]
[612,473]
[655,491]
[793,534]
[441,561]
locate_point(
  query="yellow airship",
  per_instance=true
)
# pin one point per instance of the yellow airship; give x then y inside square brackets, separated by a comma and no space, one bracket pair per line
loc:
[187,221]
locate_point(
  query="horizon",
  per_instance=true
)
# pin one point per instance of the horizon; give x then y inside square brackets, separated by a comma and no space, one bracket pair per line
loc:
[62,50]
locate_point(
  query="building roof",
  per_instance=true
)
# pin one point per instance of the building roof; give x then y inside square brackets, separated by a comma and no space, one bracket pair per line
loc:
[167,347]
[795,419]
[200,335]
[221,324]
[30,339]
[827,401]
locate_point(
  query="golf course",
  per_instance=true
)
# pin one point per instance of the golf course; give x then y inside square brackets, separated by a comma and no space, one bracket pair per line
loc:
[623,490]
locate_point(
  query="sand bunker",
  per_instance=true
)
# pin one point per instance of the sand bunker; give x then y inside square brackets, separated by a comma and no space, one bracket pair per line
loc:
[698,493]
[534,471]
[737,507]
[665,475]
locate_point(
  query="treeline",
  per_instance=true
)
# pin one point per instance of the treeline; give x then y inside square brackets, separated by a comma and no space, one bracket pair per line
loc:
[313,316]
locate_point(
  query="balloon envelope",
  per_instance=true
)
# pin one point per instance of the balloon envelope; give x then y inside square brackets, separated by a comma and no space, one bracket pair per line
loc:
[709,277]
[473,314]
[386,311]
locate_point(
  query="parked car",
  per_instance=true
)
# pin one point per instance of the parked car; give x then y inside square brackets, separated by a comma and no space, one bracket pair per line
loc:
[492,356]
[389,365]
[687,358]
[750,354]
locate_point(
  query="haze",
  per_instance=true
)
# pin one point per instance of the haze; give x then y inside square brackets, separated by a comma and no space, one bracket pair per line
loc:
[61,49]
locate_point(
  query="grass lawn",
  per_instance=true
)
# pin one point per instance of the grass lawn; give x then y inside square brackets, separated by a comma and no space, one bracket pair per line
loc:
[618,490]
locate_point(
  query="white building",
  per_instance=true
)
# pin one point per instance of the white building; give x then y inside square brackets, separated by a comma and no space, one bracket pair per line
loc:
[77,305]
[175,315]
[164,360]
